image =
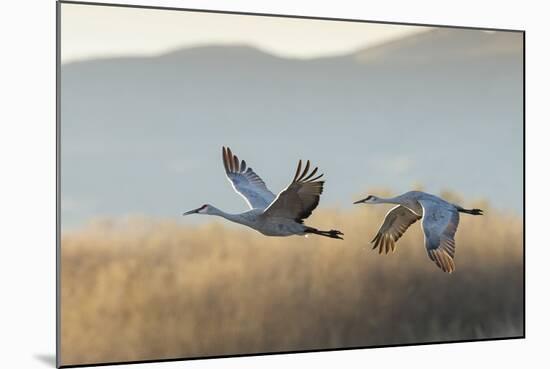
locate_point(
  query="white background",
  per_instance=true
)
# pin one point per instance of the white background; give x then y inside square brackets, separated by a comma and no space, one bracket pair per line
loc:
[27,196]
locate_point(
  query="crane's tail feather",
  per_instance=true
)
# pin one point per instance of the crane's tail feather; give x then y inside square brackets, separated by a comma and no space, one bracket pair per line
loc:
[331,234]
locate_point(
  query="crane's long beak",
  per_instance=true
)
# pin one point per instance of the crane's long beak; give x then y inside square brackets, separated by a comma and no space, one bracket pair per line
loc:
[194,211]
[361,201]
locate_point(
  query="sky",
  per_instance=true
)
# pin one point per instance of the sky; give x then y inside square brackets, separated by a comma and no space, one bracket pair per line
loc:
[90,31]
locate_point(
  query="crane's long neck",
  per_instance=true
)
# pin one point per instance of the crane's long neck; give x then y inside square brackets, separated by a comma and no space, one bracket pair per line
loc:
[387,200]
[236,218]
[411,204]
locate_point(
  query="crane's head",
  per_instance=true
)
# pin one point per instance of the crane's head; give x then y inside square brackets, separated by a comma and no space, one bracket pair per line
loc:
[370,199]
[202,210]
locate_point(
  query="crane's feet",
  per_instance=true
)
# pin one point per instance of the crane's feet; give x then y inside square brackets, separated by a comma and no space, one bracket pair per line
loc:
[333,233]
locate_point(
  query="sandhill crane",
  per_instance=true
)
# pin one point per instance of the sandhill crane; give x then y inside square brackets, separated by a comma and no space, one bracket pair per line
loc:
[271,215]
[439,223]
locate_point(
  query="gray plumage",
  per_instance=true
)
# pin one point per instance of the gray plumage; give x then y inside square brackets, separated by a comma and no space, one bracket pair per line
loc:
[271,215]
[439,222]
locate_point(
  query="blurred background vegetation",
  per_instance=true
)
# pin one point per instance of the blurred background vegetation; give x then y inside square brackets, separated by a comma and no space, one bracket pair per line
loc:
[143,288]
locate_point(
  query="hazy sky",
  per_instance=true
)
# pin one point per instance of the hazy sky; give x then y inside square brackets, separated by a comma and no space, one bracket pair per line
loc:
[90,31]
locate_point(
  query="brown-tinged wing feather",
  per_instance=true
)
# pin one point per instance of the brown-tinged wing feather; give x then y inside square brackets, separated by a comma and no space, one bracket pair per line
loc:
[440,224]
[396,222]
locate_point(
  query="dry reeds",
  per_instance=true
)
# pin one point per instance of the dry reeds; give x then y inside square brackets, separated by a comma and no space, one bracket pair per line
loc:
[152,289]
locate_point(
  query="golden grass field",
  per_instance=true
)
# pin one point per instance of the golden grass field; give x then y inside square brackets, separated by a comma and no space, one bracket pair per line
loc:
[142,289]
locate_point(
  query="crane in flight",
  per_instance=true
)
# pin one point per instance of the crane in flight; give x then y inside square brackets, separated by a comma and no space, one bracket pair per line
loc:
[281,215]
[439,223]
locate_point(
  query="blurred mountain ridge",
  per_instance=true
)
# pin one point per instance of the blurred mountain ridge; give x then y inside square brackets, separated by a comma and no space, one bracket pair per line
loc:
[443,108]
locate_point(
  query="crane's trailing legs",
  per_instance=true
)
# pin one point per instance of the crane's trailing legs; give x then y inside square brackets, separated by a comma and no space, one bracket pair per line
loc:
[469,211]
[333,233]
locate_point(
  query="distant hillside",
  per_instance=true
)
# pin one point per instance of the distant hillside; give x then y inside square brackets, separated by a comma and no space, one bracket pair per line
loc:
[441,108]
[444,45]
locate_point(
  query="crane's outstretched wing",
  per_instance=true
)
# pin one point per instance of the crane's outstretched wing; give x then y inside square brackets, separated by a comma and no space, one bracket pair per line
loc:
[298,200]
[396,222]
[247,183]
[439,224]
